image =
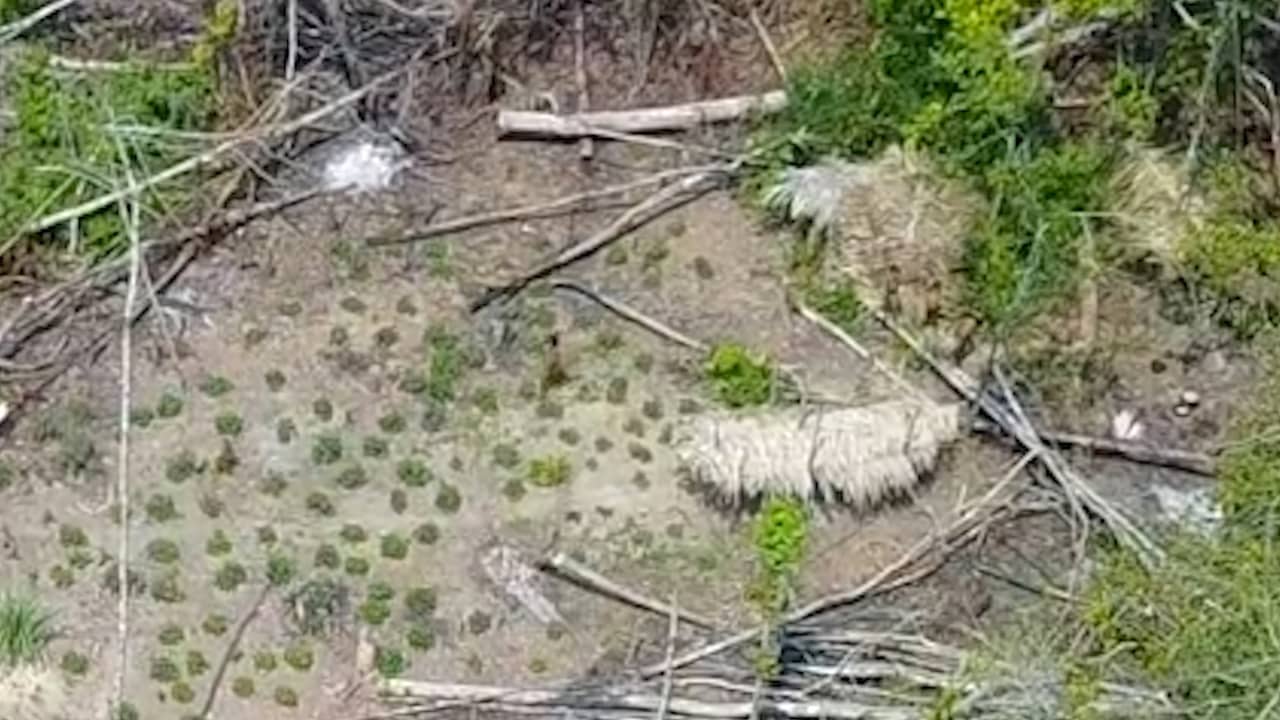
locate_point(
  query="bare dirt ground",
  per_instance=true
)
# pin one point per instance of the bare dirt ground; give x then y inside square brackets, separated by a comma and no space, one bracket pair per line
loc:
[296,314]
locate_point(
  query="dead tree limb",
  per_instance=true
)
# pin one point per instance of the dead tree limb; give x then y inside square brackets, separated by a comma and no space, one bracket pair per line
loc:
[565,566]
[569,203]
[1193,462]
[661,201]
[659,119]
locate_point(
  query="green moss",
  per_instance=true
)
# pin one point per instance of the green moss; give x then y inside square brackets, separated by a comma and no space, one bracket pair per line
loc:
[163,669]
[230,576]
[353,477]
[264,661]
[392,423]
[215,625]
[353,533]
[327,557]
[448,499]
[218,544]
[243,687]
[182,467]
[74,664]
[211,505]
[285,697]
[229,424]
[390,663]
[321,504]
[275,380]
[286,430]
[327,449]
[420,603]
[356,566]
[216,386]
[550,471]
[160,508]
[738,377]
[299,657]
[426,534]
[375,447]
[394,546]
[374,612]
[197,663]
[413,473]
[281,569]
[171,634]
[169,406]
[420,637]
[505,455]
[70,536]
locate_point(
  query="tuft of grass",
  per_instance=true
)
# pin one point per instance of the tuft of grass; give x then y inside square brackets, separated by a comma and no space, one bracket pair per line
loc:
[444,365]
[353,477]
[160,508]
[356,566]
[163,551]
[321,504]
[169,406]
[242,686]
[182,467]
[1237,260]
[218,544]
[738,377]
[327,449]
[216,386]
[616,392]
[25,629]
[171,634]
[550,471]
[74,664]
[327,557]
[229,424]
[839,303]
[267,535]
[394,546]
[390,663]
[426,534]
[420,603]
[215,625]
[299,656]
[448,499]
[485,400]
[374,612]
[281,569]
[413,473]
[230,576]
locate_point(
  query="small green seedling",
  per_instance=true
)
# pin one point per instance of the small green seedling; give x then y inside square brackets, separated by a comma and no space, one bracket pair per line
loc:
[321,504]
[215,625]
[182,467]
[394,546]
[169,406]
[353,533]
[413,473]
[426,534]
[448,499]
[171,634]
[327,449]
[218,544]
[216,386]
[230,576]
[738,377]
[160,508]
[353,477]
[299,657]
[550,471]
[229,424]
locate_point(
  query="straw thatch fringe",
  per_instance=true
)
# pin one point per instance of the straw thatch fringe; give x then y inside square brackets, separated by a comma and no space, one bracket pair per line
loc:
[858,456]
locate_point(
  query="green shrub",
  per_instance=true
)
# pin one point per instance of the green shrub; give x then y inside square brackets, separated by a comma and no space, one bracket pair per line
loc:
[181,467]
[286,697]
[218,544]
[229,424]
[375,612]
[444,365]
[738,377]
[390,663]
[281,569]
[163,551]
[25,629]
[164,670]
[160,508]
[215,625]
[171,634]
[394,546]
[353,533]
[780,537]
[356,566]
[321,504]
[182,693]
[420,603]
[243,687]
[353,478]
[169,406]
[74,663]
[413,473]
[327,449]
[392,423]
[264,661]
[420,637]
[448,499]
[216,386]
[230,576]
[550,471]
[197,663]
[299,657]
[426,534]
[327,557]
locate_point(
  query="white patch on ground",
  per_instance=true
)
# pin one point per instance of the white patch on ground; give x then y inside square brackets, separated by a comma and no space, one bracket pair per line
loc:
[1195,509]
[509,571]
[1125,426]
[363,167]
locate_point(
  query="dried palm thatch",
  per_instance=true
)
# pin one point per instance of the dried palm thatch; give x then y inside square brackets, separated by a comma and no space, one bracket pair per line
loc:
[1154,205]
[35,692]
[895,223]
[857,456]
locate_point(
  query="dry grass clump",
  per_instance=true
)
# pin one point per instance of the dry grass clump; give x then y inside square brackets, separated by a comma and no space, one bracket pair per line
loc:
[858,456]
[1154,209]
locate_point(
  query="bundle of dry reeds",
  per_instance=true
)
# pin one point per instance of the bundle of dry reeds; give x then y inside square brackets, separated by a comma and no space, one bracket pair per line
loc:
[859,456]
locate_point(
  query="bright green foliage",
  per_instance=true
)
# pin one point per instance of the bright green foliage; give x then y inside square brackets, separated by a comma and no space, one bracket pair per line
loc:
[739,378]
[61,152]
[25,630]
[1237,259]
[781,535]
[444,365]
[1131,109]
[838,303]
[550,471]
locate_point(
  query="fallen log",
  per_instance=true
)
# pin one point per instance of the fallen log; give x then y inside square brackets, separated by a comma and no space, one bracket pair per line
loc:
[658,119]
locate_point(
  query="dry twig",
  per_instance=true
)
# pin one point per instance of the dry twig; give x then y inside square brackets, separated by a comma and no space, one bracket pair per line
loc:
[23,24]
[230,652]
[661,119]
[570,569]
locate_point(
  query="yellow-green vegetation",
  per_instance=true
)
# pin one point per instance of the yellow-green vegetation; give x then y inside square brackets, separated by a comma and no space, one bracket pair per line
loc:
[780,535]
[738,377]
[1204,623]
[550,471]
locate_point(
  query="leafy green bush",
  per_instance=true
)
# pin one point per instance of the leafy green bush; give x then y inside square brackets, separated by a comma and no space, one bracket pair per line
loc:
[550,471]
[780,538]
[739,378]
